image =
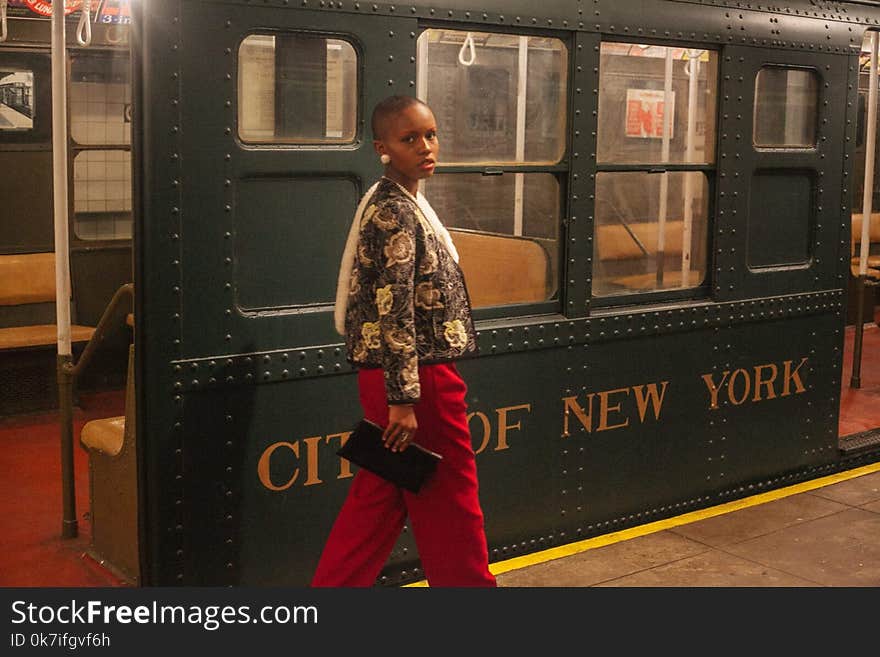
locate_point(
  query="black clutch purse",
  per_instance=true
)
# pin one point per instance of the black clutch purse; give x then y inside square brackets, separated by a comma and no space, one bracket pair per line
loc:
[408,469]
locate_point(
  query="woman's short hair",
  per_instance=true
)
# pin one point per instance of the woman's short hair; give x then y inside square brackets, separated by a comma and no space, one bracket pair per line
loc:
[387,107]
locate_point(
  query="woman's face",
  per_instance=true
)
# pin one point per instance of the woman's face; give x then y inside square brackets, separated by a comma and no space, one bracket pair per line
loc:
[410,139]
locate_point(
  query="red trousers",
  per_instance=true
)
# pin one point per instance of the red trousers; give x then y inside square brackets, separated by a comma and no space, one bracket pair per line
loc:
[445,515]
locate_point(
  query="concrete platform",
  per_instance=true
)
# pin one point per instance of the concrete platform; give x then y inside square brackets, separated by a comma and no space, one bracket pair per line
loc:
[823,533]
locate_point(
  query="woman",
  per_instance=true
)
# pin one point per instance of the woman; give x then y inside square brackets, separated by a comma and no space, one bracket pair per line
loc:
[403,307]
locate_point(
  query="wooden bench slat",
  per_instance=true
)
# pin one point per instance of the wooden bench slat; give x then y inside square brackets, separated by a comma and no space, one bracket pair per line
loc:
[871,272]
[17,337]
[501,269]
[671,279]
[873,228]
[614,242]
[27,278]
[873,261]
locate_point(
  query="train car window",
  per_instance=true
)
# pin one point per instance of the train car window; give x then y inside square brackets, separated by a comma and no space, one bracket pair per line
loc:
[481,212]
[632,98]
[786,107]
[498,98]
[297,89]
[100,126]
[655,169]
[100,99]
[17,100]
[102,195]
[639,246]
[500,103]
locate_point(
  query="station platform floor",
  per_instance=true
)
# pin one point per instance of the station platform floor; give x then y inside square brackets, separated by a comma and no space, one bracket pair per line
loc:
[821,533]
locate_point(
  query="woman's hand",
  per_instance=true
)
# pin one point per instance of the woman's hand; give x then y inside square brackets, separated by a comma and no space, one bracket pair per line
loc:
[401,428]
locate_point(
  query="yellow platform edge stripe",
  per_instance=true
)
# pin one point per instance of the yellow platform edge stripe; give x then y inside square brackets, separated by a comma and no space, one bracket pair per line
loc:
[667,523]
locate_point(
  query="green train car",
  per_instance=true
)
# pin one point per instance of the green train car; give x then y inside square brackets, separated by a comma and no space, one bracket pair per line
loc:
[657,205]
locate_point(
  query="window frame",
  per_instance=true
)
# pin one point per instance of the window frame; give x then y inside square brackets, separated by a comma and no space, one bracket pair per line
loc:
[348,145]
[560,170]
[78,148]
[699,292]
[817,76]
[40,135]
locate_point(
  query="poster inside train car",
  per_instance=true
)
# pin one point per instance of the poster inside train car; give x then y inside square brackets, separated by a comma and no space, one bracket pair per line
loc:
[109,12]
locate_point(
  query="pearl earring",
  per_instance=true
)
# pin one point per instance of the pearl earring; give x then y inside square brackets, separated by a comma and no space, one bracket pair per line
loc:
[385,158]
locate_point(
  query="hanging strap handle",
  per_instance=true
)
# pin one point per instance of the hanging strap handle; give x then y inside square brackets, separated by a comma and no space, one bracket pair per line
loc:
[3,26]
[84,29]
[468,43]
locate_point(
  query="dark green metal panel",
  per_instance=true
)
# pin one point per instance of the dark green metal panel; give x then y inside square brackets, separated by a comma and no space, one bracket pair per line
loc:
[194,168]
[25,195]
[276,266]
[747,263]
[222,175]
[781,221]
[641,433]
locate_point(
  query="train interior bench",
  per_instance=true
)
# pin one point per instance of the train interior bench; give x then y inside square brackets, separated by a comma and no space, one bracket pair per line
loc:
[871,291]
[28,332]
[873,269]
[502,269]
[623,249]
[113,500]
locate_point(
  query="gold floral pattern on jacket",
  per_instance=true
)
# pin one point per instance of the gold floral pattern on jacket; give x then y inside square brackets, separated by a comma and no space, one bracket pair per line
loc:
[408,303]
[455,334]
[427,297]
[384,299]
[399,250]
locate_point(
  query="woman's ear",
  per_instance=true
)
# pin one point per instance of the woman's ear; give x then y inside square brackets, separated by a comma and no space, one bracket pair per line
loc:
[384,158]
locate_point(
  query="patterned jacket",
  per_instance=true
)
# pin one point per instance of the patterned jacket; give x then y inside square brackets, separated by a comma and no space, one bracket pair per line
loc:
[407,302]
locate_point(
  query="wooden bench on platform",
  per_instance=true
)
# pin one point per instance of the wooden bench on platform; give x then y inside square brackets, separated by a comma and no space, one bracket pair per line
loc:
[27,325]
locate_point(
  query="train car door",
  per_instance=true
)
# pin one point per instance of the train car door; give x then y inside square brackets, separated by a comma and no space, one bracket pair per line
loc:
[778,232]
[255,149]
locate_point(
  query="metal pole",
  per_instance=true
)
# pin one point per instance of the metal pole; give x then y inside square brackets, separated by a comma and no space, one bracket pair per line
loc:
[687,225]
[69,527]
[521,86]
[422,68]
[867,199]
[664,181]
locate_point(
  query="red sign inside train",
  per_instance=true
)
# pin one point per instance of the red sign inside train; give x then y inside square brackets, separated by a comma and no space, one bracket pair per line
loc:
[113,12]
[44,7]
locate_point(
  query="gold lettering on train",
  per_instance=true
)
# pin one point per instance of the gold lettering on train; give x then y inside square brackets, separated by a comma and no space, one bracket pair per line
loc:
[487,429]
[344,464]
[584,415]
[746,387]
[571,404]
[312,461]
[263,465]
[760,381]
[605,407]
[655,399]
[503,426]
[740,383]
[792,375]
